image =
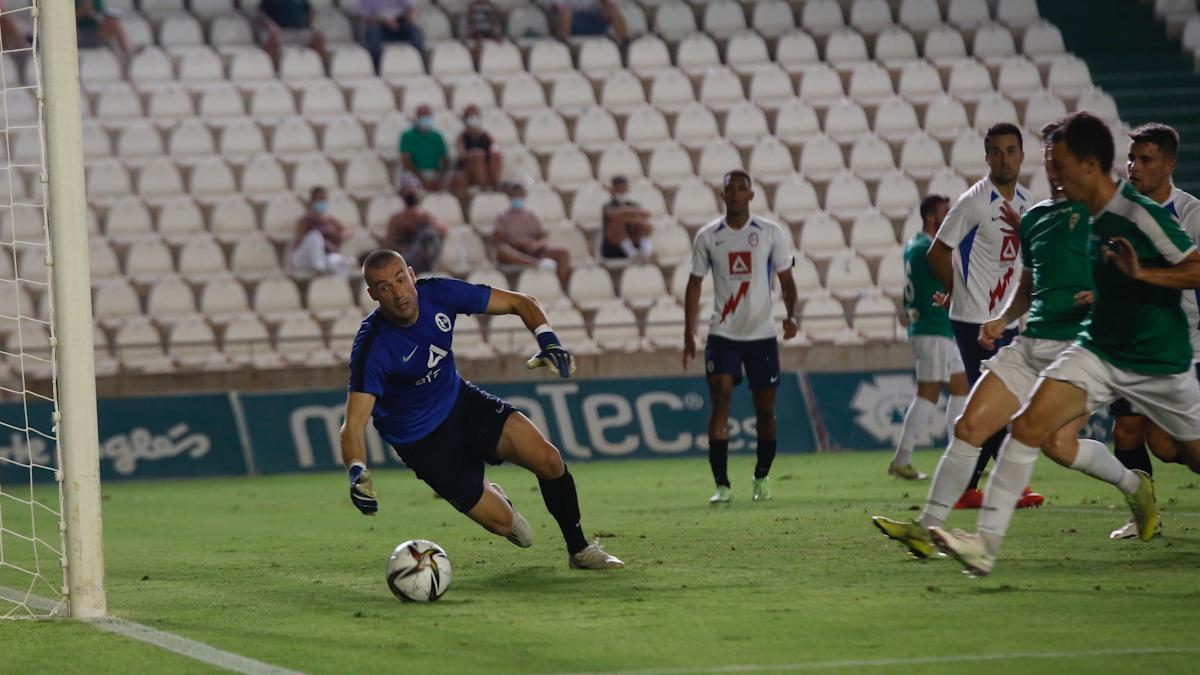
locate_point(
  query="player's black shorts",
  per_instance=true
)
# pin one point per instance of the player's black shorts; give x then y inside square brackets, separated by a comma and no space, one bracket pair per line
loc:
[450,459]
[1122,408]
[966,336]
[759,357]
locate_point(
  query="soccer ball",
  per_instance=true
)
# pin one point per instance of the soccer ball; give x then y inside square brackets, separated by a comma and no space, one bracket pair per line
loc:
[418,570]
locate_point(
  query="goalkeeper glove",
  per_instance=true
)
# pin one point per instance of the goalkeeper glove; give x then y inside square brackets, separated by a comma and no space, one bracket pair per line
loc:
[552,355]
[362,490]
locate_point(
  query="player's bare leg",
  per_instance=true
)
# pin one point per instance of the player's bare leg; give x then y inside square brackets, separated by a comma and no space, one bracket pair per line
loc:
[764,415]
[496,514]
[720,397]
[524,445]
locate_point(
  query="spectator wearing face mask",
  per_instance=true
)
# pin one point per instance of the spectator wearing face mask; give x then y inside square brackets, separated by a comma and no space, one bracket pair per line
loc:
[319,237]
[423,152]
[415,232]
[520,239]
[479,158]
[627,228]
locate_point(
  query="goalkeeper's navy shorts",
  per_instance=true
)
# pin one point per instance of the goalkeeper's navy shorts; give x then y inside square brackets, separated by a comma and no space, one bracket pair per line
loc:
[450,459]
[760,358]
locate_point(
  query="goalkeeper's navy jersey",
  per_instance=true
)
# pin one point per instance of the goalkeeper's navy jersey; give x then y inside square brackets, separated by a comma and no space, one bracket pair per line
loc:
[410,369]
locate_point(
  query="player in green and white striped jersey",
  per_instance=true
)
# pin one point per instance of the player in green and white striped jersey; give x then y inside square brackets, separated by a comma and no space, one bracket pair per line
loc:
[1137,345]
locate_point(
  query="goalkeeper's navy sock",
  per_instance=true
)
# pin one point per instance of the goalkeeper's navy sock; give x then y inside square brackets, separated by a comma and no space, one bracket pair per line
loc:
[766,457]
[988,452]
[562,501]
[718,460]
[1137,457]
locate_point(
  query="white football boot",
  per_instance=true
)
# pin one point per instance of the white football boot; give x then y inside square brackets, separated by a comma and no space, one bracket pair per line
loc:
[522,531]
[594,557]
[723,494]
[1130,530]
[965,547]
[762,489]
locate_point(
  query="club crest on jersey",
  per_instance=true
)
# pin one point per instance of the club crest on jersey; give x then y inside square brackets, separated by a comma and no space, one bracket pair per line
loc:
[443,323]
[436,354]
[754,239]
[739,262]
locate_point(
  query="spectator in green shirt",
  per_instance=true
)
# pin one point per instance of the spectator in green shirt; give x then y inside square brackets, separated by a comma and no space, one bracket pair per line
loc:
[95,25]
[423,152]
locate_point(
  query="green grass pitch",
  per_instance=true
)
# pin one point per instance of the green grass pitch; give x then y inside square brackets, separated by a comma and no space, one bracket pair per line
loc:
[284,570]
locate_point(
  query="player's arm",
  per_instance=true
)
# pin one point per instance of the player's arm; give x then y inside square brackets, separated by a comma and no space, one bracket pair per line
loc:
[691,307]
[354,451]
[551,353]
[1184,274]
[941,263]
[941,252]
[787,286]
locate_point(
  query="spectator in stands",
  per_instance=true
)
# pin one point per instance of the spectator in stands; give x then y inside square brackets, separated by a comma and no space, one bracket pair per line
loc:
[423,152]
[287,22]
[589,17]
[478,157]
[415,232]
[482,23]
[390,21]
[626,225]
[319,237]
[520,239]
[94,25]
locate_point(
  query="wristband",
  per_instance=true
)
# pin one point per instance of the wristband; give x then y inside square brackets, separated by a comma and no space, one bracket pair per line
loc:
[545,336]
[356,469]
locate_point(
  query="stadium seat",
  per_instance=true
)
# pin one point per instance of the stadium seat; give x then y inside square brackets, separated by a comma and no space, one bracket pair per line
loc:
[895,46]
[230,30]
[246,342]
[468,338]
[622,92]
[190,140]
[870,16]
[919,15]
[399,62]
[250,65]
[151,66]
[872,234]
[541,284]
[115,302]
[254,257]
[138,346]
[875,318]
[299,341]
[824,320]
[271,100]
[721,89]
[796,51]
[796,122]
[968,14]
[508,335]
[821,17]
[590,287]
[716,159]
[366,175]
[897,194]
[696,54]
[276,297]
[1042,108]
[160,178]
[795,199]
[500,126]
[845,121]
[745,125]
[723,19]
[694,203]
[527,22]
[645,127]
[435,24]
[549,60]
[771,87]
[845,48]
[223,298]
[261,176]
[180,30]
[231,217]
[892,278]
[848,276]
[806,278]
[328,297]
[821,86]
[569,168]
[343,137]
[771,161]
[500,61]
[644,192]
[170,299]
[614,328]
[311,171]
[139,141]
[1068,76]
[423,91]
[895,119]
[1017,13]
[822,237]
[944,46]
[870,83]
[350,63]
[446,208]
[664,324]
[672,245]
[96,142]
[919,82]
[642,285]
[450,61]
[993,109]
[871,157]
[572,94]
[674,20]
[1018,78]
[322,99]
[669,164]
[1100,103]
[599,58]
[520,164]
[147,260]
[192,343]
[201,258]
[648,56]
[595,129]
[969,81]
[992,44]
[220,100]
[279,215]
[772,18]
[695,126]
[1042,41]
[944,116]
[846,196]
[746,52]
[967,155]
[471,90]
[679,280]
[821,158]
[947,182]
[117,102]
[618,159]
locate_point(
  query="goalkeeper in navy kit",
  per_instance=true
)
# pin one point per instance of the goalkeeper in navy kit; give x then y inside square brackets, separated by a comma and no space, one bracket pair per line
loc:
[403,376]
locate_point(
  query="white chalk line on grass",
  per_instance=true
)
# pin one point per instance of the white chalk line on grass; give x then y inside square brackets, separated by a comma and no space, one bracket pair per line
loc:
[162,639]
[1117,512]
[886,663]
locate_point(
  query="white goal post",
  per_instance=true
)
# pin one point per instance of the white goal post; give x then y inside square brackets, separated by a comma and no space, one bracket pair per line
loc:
[49,255]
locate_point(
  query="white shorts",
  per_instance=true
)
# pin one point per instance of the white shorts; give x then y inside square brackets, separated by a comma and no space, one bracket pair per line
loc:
[1019,363]
[1170,401]
[937,358]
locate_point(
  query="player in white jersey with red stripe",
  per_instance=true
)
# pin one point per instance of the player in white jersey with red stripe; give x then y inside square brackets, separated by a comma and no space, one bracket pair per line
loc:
[744,253]
[1153,150]
[977,255]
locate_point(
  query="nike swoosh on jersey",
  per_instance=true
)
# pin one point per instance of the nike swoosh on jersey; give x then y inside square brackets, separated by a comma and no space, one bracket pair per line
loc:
[410,355]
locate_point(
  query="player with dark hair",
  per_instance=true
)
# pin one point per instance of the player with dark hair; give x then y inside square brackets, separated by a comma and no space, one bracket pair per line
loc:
[1056,290]
[744,253]
[937,361]
[1153,151]
[976,255]
[1136,345]
[403,375]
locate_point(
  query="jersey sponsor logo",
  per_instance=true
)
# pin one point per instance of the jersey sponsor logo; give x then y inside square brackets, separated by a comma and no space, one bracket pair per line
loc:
[739,262]
[1010,245]
[436,354]
[754,239]
[997,294]
[442,321]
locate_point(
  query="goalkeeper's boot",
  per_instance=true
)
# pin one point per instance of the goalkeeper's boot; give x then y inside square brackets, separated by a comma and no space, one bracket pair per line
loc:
[762,489]
[906,472]
[907,532]
[1144,507]
[522,531]
[1130,530]
[965,547]
[723,494]
[593,557]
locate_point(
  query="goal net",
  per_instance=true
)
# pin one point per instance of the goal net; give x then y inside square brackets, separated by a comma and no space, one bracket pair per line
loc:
[50,563]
